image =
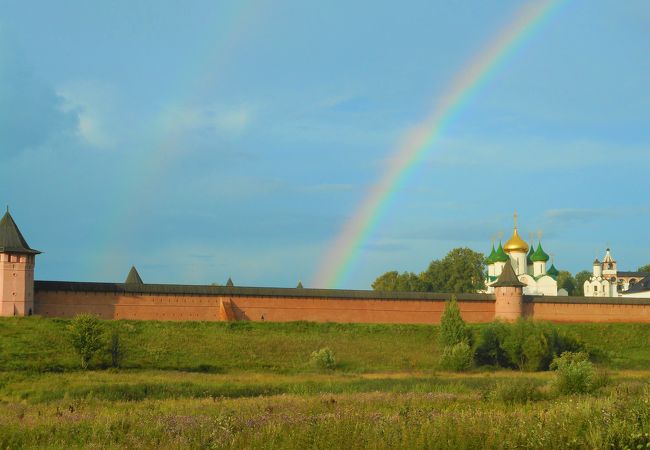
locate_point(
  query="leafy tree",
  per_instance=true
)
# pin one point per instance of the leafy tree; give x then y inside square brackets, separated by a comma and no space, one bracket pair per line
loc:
[453,329]
[462,270]
[566,281]
[393,281]
[86,334]
[645,268]
[580,279]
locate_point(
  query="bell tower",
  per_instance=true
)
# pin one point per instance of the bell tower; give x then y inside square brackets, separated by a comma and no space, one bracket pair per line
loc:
[16,270]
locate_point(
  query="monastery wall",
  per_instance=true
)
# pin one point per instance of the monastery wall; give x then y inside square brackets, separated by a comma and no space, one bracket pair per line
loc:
[212,303]
[216,303]
[588,309]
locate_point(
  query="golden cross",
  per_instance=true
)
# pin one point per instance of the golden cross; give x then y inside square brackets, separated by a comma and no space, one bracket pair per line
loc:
[515,217]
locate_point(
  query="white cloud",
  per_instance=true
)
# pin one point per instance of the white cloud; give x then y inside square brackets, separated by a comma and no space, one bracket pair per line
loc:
[96,104]
[221,120]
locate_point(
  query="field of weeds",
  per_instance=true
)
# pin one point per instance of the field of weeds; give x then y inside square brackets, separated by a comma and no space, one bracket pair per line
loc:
[329,411]
[197,385]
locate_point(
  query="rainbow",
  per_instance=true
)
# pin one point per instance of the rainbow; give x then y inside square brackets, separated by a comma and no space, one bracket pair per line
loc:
[346,248]
[149,169]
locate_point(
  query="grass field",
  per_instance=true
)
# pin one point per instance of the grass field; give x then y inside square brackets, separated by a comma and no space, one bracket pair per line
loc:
[250,385]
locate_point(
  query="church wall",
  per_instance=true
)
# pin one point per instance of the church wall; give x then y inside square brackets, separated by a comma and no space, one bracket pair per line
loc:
[138,306]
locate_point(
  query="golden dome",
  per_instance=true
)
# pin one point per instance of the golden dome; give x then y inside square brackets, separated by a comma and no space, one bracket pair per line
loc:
[515,244]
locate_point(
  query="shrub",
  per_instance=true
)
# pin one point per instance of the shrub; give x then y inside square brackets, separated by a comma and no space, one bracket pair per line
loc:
[323,359]
[458,357]
[116,349]
[531,345]
[86,334]
[574,373]
[453,329]
[516,391]
[489,346]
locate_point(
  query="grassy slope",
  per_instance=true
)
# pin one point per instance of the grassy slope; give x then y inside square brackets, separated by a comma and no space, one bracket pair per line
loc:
[386,393]
[41,344]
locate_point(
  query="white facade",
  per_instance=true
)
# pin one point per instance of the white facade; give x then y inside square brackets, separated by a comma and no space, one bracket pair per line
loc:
[530,267]
[607,281]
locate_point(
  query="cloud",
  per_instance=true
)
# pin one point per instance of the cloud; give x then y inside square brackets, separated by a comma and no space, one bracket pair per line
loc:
[97,106]
[234,121]
[583,215]
[229,121]
[31,111]
[532,154]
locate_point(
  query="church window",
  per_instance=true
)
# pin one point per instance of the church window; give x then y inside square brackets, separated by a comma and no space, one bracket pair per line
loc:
[595,288]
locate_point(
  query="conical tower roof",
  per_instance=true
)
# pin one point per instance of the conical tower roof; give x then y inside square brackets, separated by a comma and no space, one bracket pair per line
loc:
[540,255]
[508,277]
[11,239]
[229,283]
[299,286]
[133,277]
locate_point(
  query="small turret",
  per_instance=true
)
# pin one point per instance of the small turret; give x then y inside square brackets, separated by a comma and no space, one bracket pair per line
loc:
[133,277]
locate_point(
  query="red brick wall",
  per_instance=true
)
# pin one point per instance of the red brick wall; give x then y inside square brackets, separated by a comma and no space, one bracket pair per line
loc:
[110,305]
[589,312]
[276,309]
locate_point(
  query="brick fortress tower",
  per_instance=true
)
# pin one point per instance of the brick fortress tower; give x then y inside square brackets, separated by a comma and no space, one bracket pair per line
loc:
[509,295]
[16,270]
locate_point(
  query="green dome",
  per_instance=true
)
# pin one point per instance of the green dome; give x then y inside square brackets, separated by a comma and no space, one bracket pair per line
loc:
[539,255]
[552,271]
[490,259]
[530,254]
[501,255]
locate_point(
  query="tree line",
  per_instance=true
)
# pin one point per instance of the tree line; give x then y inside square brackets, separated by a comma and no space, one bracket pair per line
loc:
[463,270]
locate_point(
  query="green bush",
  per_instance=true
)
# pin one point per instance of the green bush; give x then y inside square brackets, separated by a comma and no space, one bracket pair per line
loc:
[453,329]
[323,359]
[86,335]
[489,345]
[574,373]
[116,350]
[531,345]
[517,390]
[458,357]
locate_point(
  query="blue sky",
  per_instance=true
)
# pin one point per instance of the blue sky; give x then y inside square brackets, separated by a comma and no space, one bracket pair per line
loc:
[234,139]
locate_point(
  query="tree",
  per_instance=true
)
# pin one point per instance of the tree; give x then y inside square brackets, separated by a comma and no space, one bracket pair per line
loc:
[645,269]
[86,335]
[566,281]
[116,349]
[580,279]
[453,329]
[393,281]
[462,270]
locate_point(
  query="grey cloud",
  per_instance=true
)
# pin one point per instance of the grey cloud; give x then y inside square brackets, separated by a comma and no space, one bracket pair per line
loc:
[583,215]
[31,113]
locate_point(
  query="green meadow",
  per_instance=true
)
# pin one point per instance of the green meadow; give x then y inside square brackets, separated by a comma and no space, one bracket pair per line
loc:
[251,385]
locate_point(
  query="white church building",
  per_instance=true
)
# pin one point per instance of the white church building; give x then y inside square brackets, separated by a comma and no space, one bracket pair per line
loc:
[607,281]
[529,263]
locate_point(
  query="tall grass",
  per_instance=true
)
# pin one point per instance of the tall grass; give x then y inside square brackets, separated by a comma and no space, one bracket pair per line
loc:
[41,345]
[351,420]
